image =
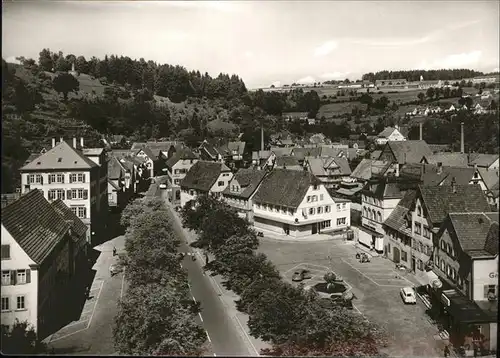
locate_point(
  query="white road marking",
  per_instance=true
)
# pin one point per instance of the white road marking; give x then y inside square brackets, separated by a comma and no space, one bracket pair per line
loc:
[246,334]
[360,272]
[95,306]
[123,282]
[199,314]
[208,338]
[194,299]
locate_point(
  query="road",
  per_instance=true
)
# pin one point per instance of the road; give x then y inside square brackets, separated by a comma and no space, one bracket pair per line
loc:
[222,334]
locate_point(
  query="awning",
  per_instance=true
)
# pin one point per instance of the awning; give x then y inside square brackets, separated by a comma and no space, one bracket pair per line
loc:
[370,231]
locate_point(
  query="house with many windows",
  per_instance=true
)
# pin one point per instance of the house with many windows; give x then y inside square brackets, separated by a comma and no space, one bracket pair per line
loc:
[466,263]
[41,254]
[296,203]
[177,167]
[205,178]
[389,134]
[65,173]
[331,171]
[241,189]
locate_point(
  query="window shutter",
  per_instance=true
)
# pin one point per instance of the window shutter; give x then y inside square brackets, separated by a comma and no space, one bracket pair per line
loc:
[13,277]
[50,179]
[28,276]
[63,195]
[71,178]
[41,179]
[85,194]
[83,178]
[68,194]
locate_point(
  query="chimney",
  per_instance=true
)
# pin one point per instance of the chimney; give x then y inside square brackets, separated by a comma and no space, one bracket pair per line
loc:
[453,185]
[462,145]
[261,138]
[397,170]
[53,142]
[74,142]
[421,131]
[60,139]
[439,168]
[81,142]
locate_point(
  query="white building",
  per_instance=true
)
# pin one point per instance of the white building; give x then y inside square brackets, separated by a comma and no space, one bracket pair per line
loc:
[295,203]
[389,134]
[205,178]
[65,173]
[177,167]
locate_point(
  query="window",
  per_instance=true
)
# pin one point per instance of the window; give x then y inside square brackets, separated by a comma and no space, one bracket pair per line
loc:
[21,303]
[420,247]
[338,207]
[60,194]
[418,228]
[80,211]
[320,210]
[311,211]
[404,256]
[365,213]
[72,178]
[315,187]
[420,265]
[6,278]
[427,232]
[31,178]
[429,250]
[344,205]
[325,224]
[52,194]
[327,209]
[21,277]
[39,179]
[290,211]
[321,196]
[314,198]
[220,183]
[308,199]
[60,178]
[5,252]
[341,221]
[419,210]
[453,274]
[379,217]
[5,304]
[443,265]
[490,291]
[191,192]
[52,178]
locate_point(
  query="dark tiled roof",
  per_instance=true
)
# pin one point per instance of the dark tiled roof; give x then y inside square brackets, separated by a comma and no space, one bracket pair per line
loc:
[386,132]
[32,157]
[301,153]
[285,187]
[476,231]
[375,155]
[368,167]
[35,225]
[385,190]
[281,152]
[490,177]
[149,153]
[115,169]
[396,220]
[441,200]
[483,160]
[248,179]
[409,151]
[203,175]
[210,148]
[449,159]
[181,153]
[286,161]
[429,174]
[77,225]
[228,148]
[62,156]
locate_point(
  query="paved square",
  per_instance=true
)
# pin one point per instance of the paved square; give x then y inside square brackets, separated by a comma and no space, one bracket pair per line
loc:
[374,285]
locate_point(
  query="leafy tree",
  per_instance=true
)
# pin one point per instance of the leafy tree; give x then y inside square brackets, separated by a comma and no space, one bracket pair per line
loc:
[140,206]
[330,278]
[45,60]
[81,65]
[62,64]
[421,97]
[430,92]
[152,321]
[20,339]
[65,83]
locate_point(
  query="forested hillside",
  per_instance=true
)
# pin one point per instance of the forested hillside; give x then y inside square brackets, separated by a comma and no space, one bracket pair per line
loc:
[414,75]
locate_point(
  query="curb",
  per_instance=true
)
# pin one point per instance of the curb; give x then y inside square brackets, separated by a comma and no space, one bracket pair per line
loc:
[424,300]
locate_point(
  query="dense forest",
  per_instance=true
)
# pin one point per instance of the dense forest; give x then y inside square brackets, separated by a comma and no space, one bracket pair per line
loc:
[428,75]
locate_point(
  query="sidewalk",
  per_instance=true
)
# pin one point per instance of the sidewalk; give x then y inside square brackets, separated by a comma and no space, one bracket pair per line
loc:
[228,298]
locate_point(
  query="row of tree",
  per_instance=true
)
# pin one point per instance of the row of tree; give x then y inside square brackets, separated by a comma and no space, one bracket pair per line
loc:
[288,317]
[156,315]
[174,82]
[428,75]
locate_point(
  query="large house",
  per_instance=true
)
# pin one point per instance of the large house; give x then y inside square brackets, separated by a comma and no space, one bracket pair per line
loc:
[42,248]
[331,171]
[389,134]
[369,168]
[296,203]
[466,263]
[241,189]
[205,178]
[65,173]
[378,200]
[232,153]
[177,167]
[120,186]
[402,152]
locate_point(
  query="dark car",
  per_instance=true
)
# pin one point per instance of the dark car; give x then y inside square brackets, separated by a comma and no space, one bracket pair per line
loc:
[300,275]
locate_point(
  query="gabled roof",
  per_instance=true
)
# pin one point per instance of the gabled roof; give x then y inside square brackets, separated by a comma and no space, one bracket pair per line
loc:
[285,187]
[203,175]
[121,153]
[441,200]
[115,168]
[386,132]
[490,177]
[155,147]
[114,185]
[287,161]
[368,168]
[409,151]
[210,148]
[319,166]
[92,151]
[396,220]
[148,152]
[180,154]
[450,159]
[77,225]
[281,152]
[35,225]
[32,157]
[384,190]
[477,233]
[62,156]
[483,160]
[227,149]
[430,174]
[248,179]
[261,154]
[301,153]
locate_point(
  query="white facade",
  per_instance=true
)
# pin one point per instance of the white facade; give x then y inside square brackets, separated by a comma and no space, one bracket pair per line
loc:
[217,188]
[148,161]
[77,189]
[484,277]
[394,136]
[22,297]
[317,213]
[179,171]
[422,231]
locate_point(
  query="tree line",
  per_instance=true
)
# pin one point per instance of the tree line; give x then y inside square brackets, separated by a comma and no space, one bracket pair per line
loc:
[428,75]
[304,326]
[156,315]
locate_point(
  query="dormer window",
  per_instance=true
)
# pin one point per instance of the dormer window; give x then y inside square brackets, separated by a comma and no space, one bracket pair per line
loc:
[419,210]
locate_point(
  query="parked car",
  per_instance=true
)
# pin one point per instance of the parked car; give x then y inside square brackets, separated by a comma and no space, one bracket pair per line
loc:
[408,295]
[163,186]
[300,275]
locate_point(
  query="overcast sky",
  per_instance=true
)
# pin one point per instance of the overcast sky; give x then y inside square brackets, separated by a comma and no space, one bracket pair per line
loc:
[264,42]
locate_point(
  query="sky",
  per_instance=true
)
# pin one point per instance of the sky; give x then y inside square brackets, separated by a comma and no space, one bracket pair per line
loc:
[263,42]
